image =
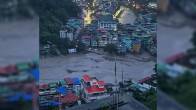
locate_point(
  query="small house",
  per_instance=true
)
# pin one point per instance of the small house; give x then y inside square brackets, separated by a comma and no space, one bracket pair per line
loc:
[107,22]
[93,89]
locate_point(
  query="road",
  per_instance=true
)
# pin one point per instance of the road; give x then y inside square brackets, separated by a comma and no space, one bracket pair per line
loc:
[130,104]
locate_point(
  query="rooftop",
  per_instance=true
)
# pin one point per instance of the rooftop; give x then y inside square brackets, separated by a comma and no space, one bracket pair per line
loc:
[95,89]
[107,18]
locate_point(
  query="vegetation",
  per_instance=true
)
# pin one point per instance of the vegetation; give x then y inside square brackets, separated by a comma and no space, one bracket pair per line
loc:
[149,98]
[81,47]
[111,48]
[16,8]
[193,40]
[53,14]
[184,84]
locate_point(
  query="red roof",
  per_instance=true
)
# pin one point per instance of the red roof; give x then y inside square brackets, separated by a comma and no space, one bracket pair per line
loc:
[8,70]
[101,83]
[69,98]
[175,57]
[86,78]
[43,86]
[94,89]
[3,70]
[69,81]
[145,79]
[11,68]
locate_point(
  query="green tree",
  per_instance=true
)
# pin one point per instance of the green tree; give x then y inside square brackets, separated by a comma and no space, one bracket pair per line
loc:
[111,48]
[193,40]
[81,46]
[53,14]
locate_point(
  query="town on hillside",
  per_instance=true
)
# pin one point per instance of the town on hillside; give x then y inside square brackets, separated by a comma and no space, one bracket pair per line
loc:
[103,57]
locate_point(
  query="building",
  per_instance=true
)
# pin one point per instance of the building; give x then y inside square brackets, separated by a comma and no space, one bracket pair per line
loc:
[75,23]
[66,34]
[121,49]
[107,22]
[126,41]
[141,87]
[86,39]
[136,46]
[94,42]
[143,37]
[93,89]
[103,39]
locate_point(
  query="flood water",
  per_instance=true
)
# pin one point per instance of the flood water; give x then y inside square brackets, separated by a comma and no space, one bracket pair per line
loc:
[19,41]
[100,66]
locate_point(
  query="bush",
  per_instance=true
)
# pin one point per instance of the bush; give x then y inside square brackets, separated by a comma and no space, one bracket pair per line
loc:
[193,40]
[53,14]
[81,47]
[149,98]
[111,48]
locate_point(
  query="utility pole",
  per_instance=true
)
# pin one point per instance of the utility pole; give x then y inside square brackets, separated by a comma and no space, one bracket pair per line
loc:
[116,91]
[122,76]
[115,72]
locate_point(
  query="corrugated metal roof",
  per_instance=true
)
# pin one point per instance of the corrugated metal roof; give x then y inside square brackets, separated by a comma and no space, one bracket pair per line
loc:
[69,81]
[86,78]
[94,89]
[101,83]
[69,98]
[76,81]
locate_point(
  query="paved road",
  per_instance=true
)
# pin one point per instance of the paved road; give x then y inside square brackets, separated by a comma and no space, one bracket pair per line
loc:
[131,104]
[19,41]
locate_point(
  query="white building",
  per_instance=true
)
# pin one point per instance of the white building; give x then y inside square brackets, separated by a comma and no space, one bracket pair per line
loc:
[107,22]
[66,34]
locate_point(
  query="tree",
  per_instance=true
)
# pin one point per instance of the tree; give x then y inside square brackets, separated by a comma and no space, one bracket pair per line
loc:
[81,46]
[111,48]
[53,14]
[193,40]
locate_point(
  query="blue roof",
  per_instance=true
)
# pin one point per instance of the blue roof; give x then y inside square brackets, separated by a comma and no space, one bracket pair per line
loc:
[18,96]
[54,103]
[76,81]
[35,73]
[51,103]
[62,90]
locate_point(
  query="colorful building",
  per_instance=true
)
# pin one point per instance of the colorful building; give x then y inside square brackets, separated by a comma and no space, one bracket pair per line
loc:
[107,22]
[93,89]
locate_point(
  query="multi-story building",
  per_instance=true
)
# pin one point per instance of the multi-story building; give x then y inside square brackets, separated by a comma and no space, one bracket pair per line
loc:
[67,33]
[93,89]
[107,22]
[86,40]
